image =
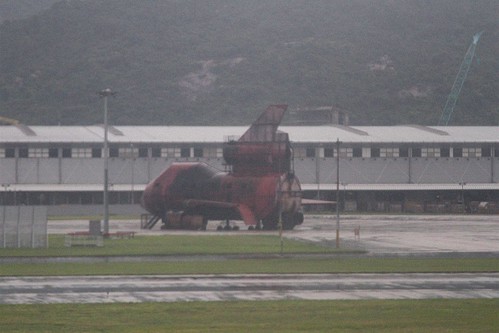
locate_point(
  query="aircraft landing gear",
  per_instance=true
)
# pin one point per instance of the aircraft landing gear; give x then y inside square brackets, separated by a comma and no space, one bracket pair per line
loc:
[227,226]
[270,223]
[289,221]
[258,226]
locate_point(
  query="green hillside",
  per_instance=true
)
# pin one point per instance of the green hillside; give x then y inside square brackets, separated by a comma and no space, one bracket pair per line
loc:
[222,61]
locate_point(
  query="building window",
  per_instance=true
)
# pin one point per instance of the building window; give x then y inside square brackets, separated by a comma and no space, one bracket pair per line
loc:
[457,152]
[299,152]
[389,152]
[96,152]
[198,152]
[185,152]
[38,152]
[357,152]
[213,152]
[486,151]
[143,152]
[23,152]
[445,152]
[430,152]
[10,152]
[66,152]
[128,152]
[310,152]
[472,152]
[366,152]
[328,152]
[81,152]
[375,152]
[156,152]
[346,152]
[114,152]
[171,152]
[403,152]
[53,153]
[416,152]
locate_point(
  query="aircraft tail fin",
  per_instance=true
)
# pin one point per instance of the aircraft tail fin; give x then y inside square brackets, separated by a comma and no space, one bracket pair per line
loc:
[262,149]
[265,127]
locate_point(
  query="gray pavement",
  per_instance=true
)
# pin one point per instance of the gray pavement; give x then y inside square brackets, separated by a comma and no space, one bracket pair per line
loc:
[379,234]
[413,234]
[109,289]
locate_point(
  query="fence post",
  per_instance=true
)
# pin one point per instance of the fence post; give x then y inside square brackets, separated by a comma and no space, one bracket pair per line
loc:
[18,227]
[33,227]
[3,227]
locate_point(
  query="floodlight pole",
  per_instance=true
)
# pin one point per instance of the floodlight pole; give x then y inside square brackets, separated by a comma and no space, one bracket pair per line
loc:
[337,193]
[105,94]
[462,196]
[132,155]
[279,210]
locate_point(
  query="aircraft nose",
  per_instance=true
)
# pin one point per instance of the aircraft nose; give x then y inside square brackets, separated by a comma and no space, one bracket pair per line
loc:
[151,199]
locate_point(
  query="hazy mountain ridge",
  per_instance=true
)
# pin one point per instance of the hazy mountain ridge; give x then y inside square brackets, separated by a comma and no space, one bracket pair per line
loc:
[221,62]
[19,9]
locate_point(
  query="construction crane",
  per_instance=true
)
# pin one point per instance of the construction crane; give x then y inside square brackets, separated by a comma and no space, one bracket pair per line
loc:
[459,81]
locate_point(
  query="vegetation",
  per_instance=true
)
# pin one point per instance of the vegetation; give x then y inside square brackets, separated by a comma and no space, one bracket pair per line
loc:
[174,245]
[252,254]
[270,316]
[267,265]
[221,61]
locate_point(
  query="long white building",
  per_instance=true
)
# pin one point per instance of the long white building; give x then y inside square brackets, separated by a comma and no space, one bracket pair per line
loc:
[386,168]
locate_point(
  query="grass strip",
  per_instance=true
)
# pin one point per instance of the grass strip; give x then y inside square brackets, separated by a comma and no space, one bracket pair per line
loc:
[267,316]
[176,244]
[258,266]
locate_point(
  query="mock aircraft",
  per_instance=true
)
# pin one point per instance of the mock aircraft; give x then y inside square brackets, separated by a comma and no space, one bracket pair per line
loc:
[260,188]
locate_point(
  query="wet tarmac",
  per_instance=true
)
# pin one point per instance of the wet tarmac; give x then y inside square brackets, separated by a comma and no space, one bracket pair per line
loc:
[379,234]
[133,289]
[412,234]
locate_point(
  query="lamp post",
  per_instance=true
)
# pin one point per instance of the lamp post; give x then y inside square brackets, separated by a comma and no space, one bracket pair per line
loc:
[344,195]
[132,155]
[105,94]
[462,196]
[337,193]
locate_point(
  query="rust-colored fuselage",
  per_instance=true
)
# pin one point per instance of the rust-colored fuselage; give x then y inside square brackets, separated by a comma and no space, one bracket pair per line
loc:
[194,189]
[259,188]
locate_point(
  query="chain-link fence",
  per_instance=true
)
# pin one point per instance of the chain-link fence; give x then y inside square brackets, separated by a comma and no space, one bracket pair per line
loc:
[23,226]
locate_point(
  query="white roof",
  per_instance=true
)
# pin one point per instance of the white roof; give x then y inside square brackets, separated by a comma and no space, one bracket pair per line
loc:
[72,187]
[309,187]
[402,187]
[218,134]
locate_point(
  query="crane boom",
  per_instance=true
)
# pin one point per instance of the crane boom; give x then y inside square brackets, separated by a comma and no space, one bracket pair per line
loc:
[459,81]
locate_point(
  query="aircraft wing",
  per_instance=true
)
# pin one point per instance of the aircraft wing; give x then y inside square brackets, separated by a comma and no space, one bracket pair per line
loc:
[243,210]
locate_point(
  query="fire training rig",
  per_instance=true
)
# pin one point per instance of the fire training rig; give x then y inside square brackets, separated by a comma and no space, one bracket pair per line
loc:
[260,188]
